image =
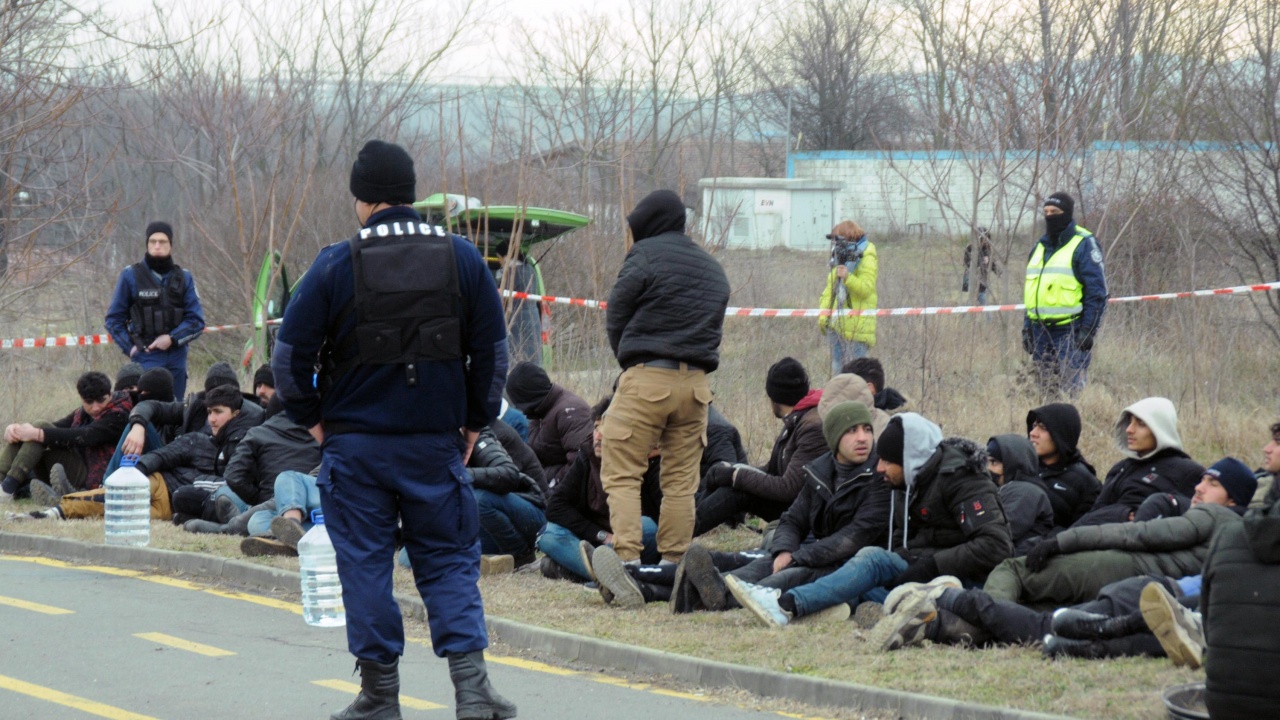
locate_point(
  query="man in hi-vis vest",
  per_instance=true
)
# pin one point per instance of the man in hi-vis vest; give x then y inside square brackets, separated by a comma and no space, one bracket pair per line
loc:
[1065,295]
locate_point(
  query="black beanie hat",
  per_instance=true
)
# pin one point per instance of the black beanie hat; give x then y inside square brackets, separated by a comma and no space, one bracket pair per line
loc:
[159,226]
[891,441]
[225,395]
[660,211]
[993,450]
[220,373]
[527,387]
[383,173]
[264,376]
[787,382]
[127,376]
[1236,478]
[1062,201]
[156,384]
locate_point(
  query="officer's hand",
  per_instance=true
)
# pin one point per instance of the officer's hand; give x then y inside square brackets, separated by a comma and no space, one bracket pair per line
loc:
[164,342]
[1027,344]
[1084,340]
[134,440]
[1039,556]
[470,436]
[133,351]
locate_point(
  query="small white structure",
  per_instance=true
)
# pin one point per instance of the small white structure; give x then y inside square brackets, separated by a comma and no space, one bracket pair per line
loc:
[762,213]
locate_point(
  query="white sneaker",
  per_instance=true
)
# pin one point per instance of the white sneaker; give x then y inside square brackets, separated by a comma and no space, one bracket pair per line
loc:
[1178,628]
[933,589]
[761,601]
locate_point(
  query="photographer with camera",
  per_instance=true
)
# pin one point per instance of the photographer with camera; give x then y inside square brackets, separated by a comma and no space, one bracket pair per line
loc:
[851,285]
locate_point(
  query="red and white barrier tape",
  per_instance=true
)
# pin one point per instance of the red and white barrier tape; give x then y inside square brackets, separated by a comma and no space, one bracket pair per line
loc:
[73,341]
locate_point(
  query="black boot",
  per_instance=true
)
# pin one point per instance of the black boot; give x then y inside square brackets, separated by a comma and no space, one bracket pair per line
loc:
[1058,646]
[476,698]
[379,697]
[1080,625]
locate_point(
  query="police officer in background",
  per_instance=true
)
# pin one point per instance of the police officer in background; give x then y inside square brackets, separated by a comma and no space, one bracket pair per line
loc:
[156,311]
[1065,295]
[406,325]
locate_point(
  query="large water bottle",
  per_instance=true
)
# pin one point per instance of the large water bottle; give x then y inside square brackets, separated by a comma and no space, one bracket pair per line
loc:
[321,588]
[128,510]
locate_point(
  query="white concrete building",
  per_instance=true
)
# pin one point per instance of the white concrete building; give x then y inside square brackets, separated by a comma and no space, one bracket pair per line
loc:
[762,213]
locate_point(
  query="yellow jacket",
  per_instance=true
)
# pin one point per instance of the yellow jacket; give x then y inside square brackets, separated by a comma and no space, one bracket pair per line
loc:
[861,286]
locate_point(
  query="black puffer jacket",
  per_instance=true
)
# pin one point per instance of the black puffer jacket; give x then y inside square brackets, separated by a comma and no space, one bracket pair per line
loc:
[955,514]
[492,469]
[520,453]
[669,299]
[842,517]
[724,443]
[1240,607]
[1131,481]
[228,439]
[800,443]
[182,461]
[1024,500]
[579,504]
[180,417]
[1072,483]
[273,447]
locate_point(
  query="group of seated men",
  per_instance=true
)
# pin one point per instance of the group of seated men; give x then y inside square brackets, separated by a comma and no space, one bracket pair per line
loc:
[872,513]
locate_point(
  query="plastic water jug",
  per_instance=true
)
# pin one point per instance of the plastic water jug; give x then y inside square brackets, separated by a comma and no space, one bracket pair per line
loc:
[321,588]
[128,507]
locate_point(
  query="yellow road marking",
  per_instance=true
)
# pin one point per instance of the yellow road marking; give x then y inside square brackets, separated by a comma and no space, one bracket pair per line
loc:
[257,600]
[405,700]
[34,607]
[532,665]
[71,701]
[677,694]
[180,644]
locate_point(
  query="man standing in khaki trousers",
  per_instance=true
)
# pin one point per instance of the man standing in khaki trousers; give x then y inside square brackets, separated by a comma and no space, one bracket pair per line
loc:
[665,320]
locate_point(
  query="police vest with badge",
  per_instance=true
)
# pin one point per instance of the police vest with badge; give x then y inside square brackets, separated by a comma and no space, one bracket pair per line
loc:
[158,306]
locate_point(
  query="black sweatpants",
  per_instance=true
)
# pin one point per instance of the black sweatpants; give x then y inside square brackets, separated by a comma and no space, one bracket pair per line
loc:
[724,504]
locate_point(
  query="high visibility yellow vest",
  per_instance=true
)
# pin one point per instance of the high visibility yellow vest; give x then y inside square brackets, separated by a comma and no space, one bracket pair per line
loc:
[1053,295]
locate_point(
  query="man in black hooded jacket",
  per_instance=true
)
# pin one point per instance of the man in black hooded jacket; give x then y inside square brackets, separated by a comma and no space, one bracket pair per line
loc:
[1072,483]
[1011,459]
[665,320]
[559,420]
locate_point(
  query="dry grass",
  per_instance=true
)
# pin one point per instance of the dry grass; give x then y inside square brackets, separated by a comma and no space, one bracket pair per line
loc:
[1208,355]
[1008,676]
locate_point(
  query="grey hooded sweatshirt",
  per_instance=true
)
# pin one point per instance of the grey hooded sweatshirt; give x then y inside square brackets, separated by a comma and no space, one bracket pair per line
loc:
[1026,503]
[1165,469]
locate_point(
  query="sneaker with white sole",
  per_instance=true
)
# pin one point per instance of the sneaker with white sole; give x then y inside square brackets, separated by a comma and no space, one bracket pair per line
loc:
[1178,629]
[933,589]
[584,553]
[761,601]
[612,575]
[909,622]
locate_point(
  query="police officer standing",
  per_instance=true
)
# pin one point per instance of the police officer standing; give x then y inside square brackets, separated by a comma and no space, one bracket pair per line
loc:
[156,311]
[406,325]
[1065,295]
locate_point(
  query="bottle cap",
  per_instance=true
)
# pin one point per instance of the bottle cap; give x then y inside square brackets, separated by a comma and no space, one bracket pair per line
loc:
[129,460]
[317,517]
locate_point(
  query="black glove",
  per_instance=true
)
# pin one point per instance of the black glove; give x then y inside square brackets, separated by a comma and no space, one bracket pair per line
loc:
[718,476]
[1027,344]
[1039,556]
[1084,339]
[918,572]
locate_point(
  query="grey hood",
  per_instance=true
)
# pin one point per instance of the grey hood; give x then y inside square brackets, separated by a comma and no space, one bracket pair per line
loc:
[1019,457]
[1159,415]
[920,438]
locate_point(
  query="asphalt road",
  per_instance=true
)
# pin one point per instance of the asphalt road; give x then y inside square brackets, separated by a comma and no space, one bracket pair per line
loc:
[120,644]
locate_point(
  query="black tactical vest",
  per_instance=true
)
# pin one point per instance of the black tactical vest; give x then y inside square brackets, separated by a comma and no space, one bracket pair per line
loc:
[157,309]
[407,302]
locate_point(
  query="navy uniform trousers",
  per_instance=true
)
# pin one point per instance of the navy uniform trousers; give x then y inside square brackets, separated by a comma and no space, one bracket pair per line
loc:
[367,484]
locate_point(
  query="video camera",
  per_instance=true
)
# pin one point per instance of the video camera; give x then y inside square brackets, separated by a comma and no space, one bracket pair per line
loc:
[844,250]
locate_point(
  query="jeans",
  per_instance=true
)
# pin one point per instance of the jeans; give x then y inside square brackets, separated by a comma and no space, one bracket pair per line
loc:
[561,545]
[151,441]
[871,568]
[1060,367]
[843,350]
[294,491]
[509,524]
[224,491]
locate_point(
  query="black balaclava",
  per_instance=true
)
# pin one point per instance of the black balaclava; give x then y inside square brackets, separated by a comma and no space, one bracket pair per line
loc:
[164,264]
[659,212]
[1055,224]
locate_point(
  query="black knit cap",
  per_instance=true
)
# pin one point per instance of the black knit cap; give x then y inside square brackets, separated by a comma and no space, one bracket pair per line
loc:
[1062,201]
[156,384]
[264,376]
[891,441]
[993,450]
[159,226]
[220,373]
[787,382]
[527,386]
[383,173]
[127,376]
